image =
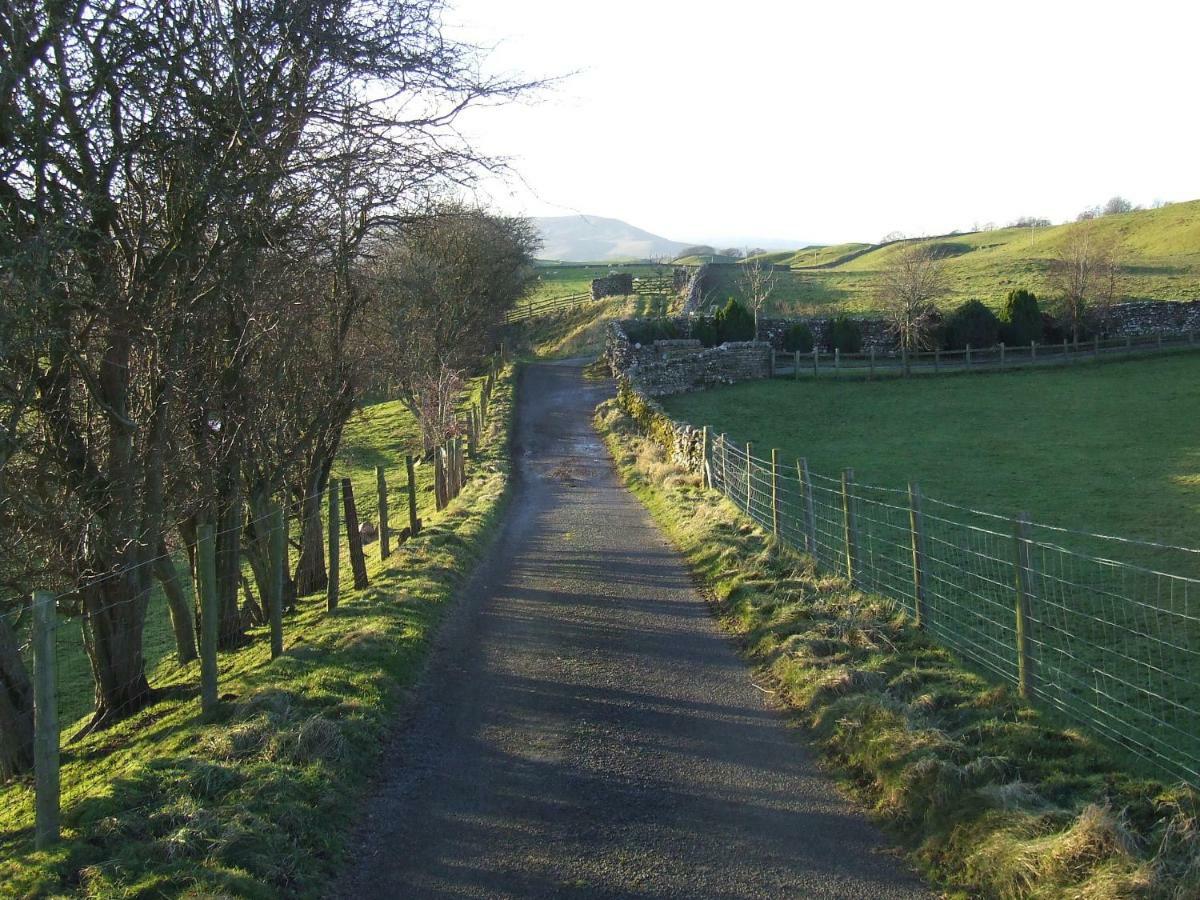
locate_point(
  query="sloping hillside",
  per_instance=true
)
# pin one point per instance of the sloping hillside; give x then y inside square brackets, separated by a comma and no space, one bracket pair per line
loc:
[593,238]
[1159,251]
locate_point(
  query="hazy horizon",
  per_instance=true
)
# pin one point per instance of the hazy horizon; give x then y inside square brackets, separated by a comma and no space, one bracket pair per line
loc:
[831,124]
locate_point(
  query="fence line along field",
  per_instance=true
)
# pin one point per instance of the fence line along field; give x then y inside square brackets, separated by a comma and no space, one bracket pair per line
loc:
[1111,627]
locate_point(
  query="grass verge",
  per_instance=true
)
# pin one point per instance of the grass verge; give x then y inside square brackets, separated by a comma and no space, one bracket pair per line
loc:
[257,802]
[989,796]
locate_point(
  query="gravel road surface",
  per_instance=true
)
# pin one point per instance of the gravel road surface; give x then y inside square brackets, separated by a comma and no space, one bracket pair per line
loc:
[585,730]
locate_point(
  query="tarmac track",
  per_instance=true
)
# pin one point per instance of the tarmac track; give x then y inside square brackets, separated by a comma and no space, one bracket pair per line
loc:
[585,730]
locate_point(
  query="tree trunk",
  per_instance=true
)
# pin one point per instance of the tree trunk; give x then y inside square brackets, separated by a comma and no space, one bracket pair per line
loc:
[311,577]
[114,616]
[182,614]
[231,635]
[16,708]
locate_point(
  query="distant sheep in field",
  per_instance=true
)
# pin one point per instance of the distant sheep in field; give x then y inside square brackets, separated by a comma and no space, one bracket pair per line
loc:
[367,532]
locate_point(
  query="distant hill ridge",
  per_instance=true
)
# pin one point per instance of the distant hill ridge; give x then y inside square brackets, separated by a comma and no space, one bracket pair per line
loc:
[582,238]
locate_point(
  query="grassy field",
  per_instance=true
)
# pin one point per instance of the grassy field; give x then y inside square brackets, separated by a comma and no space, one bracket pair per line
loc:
[1159,250]
[581,331]
[1104,447]
[256,802]
[1101,448]
[990,797]
[560,280]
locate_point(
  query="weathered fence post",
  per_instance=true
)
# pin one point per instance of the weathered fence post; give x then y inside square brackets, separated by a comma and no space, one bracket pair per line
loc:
[439,479]
[775,492]
[472,434]
[837,357]
[45,722]
[851,526]
[1095,345]
[210,615]
[1033,351]
[1128,342]
[904,360]
[872,375]
[358,562]
[1066,350]
[704,438]
[816,360]
[335,548]
[917,531]
[1159,336]
[413,524]
[810,518]
[385,535]
[277,548]
[937,359]
[968,356]
[796,365]
[1021,565]
[725,465]
[749,474]
[1002,354]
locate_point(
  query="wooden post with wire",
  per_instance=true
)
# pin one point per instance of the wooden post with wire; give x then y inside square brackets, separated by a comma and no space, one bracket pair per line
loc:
[335,548]
[358,562]
[704,441]
[46,786]
[850,520]
[810,517]
[749,475]
[1022,567]
[385,534]
[414,524]
[775,492]
[917,533]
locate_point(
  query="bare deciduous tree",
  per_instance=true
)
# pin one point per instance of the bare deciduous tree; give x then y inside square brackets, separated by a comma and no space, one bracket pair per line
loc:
[1086,275]
[908,287]
[758,283]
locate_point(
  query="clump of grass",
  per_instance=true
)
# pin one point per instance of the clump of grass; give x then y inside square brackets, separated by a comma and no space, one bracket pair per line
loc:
[988,795]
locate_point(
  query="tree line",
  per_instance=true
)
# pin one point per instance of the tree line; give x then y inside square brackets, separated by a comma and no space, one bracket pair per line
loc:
[221,225]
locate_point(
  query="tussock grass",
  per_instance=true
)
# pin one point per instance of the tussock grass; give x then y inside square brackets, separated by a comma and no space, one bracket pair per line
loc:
[988,795]
[257,801]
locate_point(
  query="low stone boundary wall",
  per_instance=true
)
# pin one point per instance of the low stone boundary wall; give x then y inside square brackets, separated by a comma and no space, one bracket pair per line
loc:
[678,366]
[619,284]
[683,442]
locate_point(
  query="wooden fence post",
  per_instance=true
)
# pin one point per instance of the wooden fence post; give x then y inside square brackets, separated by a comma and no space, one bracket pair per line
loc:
[1033,351]
[439,479]
[796,365]
[725,465]
[851,527]
[837,357]
[968,356]
[210,615]
[1002,354]
[385,535]
[45,722]
[1095,345]
[414,524]
[749,473]
[472,433]
[917,531]
[810,518]
[358,562]
[335,548]
[1066,351]
[816,360]
[904,360]
[937,359]
[278,563]
[1021,564]
[872,375]
[704,439]
[775,492]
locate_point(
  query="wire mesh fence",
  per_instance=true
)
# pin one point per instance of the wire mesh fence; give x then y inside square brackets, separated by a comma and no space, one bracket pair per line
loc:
[1111,643]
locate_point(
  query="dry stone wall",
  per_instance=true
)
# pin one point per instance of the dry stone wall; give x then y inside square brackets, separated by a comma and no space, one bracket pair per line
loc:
[619,284]
[677,366]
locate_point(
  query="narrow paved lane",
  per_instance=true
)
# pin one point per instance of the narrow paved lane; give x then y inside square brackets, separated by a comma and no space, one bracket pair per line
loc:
[585,730]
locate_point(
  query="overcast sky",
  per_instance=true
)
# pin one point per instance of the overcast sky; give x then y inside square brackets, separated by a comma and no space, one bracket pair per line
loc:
[826,122]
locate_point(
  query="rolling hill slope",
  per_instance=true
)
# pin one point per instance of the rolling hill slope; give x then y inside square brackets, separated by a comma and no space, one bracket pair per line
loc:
[1159,251]
[594,238]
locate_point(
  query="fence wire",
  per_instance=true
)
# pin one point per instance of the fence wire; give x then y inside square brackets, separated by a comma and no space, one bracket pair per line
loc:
[1108,643]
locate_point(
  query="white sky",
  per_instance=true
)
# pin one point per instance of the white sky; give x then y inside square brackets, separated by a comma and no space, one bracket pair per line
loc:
[834,121]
